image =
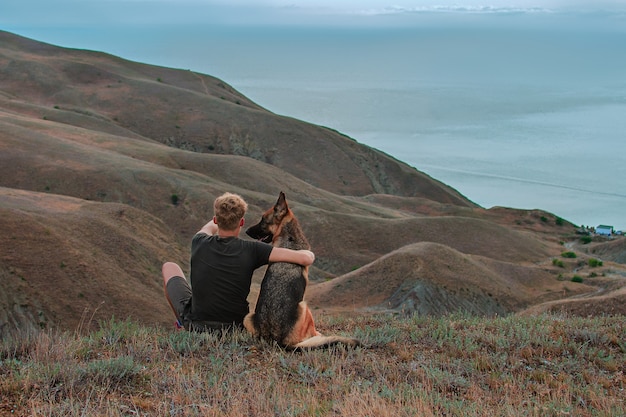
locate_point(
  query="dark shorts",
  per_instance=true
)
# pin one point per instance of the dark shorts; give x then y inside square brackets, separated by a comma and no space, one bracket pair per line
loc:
[179,292]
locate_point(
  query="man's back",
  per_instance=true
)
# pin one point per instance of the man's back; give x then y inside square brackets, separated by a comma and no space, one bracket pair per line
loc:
[221,273]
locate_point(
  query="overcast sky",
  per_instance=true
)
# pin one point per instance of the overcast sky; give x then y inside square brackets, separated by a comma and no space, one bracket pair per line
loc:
[77,12]
[129,27]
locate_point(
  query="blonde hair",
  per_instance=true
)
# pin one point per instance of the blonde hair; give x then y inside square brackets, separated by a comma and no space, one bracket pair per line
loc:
[229,210]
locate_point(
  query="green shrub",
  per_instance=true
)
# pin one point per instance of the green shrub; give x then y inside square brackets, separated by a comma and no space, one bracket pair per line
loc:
[559,221]
[175,199]
[112,371]
[577,278]
[594,262]
[585,239]
[558,262]
[568,254]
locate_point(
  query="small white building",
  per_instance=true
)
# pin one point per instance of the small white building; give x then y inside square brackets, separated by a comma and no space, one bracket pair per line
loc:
[604,230]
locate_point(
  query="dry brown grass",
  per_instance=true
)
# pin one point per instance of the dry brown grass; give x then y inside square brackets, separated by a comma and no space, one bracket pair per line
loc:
[455,365]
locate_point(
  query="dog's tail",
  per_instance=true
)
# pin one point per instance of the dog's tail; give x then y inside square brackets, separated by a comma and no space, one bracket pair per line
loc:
[321,341]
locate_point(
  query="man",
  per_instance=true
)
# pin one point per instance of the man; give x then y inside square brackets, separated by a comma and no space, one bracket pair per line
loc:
[222,265]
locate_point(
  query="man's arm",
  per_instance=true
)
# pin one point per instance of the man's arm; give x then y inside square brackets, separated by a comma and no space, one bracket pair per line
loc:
[210,228]
[301,257]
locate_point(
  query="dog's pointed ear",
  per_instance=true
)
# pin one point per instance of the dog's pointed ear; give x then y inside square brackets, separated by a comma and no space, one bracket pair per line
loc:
[281,208]
[281,199]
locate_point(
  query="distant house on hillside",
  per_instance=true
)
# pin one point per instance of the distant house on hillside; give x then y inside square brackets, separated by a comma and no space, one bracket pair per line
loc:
[604,230]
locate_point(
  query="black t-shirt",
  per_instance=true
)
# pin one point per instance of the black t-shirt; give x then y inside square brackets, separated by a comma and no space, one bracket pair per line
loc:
[221,273]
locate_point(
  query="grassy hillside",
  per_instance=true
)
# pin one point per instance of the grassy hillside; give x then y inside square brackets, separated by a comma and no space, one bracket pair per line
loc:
[195,112]
[108,168]
[547,365]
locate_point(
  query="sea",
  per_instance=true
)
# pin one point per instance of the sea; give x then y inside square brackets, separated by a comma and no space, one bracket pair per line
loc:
[523,110]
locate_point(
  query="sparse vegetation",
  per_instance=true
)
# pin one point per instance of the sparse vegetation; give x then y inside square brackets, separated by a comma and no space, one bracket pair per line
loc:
[586,239]
[558,262]
[418,244]
[593,262]
[568,254]
[546,365]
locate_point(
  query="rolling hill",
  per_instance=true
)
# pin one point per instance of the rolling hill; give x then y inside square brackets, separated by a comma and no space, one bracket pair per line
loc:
[108,167]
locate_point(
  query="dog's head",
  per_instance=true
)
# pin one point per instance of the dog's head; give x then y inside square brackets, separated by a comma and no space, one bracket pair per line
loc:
[271,221]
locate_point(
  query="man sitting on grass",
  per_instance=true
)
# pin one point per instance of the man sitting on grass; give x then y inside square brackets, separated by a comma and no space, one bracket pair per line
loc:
[222,265]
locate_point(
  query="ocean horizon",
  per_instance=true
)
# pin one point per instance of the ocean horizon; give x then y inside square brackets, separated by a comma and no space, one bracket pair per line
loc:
[530,114]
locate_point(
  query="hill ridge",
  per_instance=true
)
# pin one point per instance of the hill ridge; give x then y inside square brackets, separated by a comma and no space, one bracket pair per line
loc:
[102,181]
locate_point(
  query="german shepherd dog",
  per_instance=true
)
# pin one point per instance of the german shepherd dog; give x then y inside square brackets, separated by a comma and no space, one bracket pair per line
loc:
[281,313]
